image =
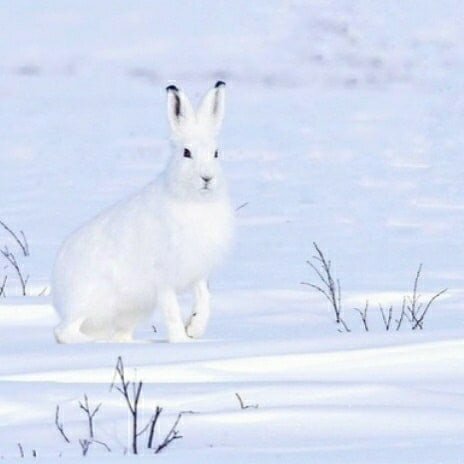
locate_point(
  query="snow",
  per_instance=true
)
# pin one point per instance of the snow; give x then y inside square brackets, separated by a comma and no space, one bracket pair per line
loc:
[343,126]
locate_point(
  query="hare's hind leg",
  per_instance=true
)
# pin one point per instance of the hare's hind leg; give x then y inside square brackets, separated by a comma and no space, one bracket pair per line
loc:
[167,300]
[198,321]
[70,332]
[124,327]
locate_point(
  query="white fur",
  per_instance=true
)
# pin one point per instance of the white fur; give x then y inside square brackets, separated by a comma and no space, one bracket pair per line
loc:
[114,270]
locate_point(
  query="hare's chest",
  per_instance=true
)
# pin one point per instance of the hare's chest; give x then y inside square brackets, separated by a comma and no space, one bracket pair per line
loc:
[201,235]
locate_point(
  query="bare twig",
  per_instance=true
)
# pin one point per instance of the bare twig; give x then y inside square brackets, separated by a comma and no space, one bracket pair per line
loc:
[152,423]
[43,291]
[90,414]
[59,425]
[25,246]
[131,392]
[402,315]
[387,316]
[102,443]
[3,286]
[414,307]
[22,243]
[10,257]
[245,406]
[420,319]
[243,205]
[85,445]
[331,287]
[363,314]
[172,435]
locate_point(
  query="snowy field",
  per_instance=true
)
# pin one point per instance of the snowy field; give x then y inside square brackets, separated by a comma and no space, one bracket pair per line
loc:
[344,126]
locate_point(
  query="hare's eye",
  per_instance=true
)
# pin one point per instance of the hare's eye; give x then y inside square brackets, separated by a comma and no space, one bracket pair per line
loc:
[216,154]
[187,153]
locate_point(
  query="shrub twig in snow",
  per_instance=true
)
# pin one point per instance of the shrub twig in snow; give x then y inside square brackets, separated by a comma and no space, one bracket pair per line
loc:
[414,307]
[420,320]
[387,316]
[59,425]
[131,392]
[85,445]
[22,243]
[3,286]
[330,288]
[412,310]
[172,435]
[152,424]
[363,314]
[10,257]
[90,414]
[402,314]
[245,406]
[243,205]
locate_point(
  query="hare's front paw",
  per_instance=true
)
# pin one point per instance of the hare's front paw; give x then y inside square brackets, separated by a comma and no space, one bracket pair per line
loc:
[195,327]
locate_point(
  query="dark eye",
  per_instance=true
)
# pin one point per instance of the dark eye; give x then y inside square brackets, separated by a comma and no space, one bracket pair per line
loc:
[187,153]
[216,154]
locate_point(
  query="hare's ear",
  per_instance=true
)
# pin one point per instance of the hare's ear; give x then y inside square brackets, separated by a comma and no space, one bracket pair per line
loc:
[211,111]
[180,111]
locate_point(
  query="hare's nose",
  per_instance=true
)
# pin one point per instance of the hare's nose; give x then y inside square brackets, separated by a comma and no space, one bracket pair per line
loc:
[206,179]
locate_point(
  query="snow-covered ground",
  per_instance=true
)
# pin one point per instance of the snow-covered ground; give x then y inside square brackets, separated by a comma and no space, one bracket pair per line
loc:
[343,126]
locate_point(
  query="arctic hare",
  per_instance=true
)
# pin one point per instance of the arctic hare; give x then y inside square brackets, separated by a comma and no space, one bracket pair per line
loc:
[138,254]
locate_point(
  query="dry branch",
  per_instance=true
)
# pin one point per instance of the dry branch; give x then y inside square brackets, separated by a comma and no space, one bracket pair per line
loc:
[387,316]
[85,445]
[243,205]
[90,414]
[3,286]
[10,257]
[59,425]
[363,314]
[416,314]
[245,406]
[330,288]
[131,392]
[22,243]
[402,315]
[152,424]
[420,320]
[172,435]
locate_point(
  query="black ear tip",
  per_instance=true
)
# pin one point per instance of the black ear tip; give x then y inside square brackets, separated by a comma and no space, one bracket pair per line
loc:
[219,84]
[172,87]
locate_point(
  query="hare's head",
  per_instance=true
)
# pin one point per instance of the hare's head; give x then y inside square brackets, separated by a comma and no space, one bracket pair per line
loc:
[194,171]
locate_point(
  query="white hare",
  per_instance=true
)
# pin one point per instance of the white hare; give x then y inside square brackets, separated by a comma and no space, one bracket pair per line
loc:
[114,270]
